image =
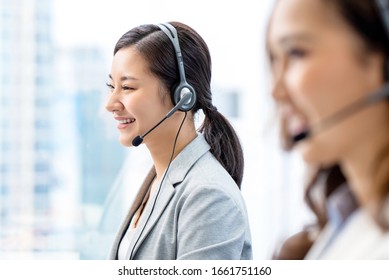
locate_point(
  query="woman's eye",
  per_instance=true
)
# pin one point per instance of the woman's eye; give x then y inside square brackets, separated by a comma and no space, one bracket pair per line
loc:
[275,64]
[297,53]
[110,86]
[128,88]
[271,58]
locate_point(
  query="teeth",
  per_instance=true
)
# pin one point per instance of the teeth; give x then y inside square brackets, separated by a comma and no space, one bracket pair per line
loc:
[126,121]
[296,125]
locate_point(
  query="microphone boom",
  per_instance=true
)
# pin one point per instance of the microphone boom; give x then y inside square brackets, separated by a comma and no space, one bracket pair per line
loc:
[344,113]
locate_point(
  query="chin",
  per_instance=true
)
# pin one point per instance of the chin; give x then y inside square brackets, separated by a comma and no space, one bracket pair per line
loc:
[126,141]
[316,156]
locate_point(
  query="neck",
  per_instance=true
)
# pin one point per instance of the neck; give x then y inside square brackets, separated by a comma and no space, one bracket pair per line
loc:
[161,146]
[360,163]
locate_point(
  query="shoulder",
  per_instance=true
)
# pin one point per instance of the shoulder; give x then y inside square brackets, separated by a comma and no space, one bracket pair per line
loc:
[208,170]
[361,229]
[211,169]
[208,181]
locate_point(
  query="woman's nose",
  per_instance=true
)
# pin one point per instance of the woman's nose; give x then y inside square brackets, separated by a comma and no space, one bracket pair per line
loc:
[279,91]
[113,103]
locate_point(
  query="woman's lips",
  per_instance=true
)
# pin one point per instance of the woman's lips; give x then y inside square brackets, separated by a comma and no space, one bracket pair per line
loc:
[296,125]
[124,122]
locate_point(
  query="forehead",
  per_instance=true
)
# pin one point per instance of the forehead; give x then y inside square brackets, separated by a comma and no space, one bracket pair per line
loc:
[129,60]
[299,16]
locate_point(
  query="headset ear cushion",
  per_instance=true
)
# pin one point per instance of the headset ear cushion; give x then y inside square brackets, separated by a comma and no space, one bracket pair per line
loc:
[180,90]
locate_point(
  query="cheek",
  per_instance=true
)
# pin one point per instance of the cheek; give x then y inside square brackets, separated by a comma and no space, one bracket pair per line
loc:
[139,108]
[305,84]
[134,106]
[320,88]
[146,108]
[320,93]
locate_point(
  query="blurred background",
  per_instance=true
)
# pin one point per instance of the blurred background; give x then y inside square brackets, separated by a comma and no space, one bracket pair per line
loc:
[65,181]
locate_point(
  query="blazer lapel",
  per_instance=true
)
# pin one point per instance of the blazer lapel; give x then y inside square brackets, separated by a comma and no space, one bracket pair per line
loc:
[138,200]
[179,168]
[150,216]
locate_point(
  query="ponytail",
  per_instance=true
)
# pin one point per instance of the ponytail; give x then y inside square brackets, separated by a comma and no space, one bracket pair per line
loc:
[224,142]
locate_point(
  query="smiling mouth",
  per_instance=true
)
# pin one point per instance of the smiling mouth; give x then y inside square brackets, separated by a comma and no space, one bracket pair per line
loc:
[127,121]
[296,126]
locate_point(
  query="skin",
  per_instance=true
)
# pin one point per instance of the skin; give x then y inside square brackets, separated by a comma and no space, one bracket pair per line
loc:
[320,65]
[136,94]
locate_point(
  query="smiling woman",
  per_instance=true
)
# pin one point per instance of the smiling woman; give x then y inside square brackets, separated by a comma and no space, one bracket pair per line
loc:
[327,56]
[189,206]
[63,187]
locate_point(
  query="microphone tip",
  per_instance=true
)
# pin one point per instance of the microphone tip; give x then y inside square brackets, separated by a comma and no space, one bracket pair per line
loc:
[137,141]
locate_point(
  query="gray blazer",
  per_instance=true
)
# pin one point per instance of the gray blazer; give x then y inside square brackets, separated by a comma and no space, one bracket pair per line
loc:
[199,213]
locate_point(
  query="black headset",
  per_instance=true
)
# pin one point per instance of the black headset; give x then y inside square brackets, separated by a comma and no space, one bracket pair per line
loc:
[183,87]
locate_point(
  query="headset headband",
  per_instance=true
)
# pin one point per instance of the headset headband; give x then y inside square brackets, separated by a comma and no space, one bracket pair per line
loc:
[171,32]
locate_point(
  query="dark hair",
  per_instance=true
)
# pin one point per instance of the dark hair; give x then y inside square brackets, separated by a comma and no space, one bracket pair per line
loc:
[364,18]
[157,49]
